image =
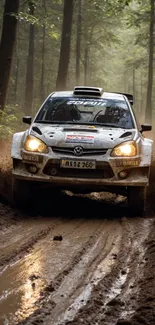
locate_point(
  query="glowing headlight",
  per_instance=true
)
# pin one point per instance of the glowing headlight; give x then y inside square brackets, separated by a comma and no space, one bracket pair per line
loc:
[126,149]
[35,145]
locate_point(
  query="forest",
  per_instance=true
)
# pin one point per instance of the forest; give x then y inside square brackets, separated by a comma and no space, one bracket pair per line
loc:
[54,44]
[77,191]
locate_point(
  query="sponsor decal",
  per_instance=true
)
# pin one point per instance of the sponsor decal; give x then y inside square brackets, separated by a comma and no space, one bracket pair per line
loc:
[128,163]
[85,103]
[74,138]
[32,158]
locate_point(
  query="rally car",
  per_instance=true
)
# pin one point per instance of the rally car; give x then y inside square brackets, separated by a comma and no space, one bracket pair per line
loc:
[84,140]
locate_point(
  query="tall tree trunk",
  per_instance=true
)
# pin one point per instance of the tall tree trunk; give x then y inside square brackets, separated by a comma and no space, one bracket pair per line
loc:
[42,90]
[16,79]
[141,92]
[86,65]
[87,40]
[78,42]
[148,114]
[30,66]
[65,44]
[16,73]
[7,47]
[134,84]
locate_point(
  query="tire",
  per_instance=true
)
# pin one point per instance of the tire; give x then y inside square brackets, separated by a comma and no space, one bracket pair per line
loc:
[21,193]
[136,200]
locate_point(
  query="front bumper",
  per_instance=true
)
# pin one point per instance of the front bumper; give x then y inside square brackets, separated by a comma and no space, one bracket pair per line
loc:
[106,173]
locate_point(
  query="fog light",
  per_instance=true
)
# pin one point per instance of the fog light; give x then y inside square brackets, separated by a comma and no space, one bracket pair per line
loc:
[32,169]
[53,171]
[123,174]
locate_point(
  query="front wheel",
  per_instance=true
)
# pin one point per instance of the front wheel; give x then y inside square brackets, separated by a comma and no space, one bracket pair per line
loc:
[21,194]
[136,199]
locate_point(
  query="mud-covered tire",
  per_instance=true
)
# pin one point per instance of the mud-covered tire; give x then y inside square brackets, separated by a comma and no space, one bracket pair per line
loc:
[21,194]
[136,200]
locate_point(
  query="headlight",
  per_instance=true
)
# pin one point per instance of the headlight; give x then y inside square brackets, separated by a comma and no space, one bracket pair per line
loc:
[126,149]
[35,145]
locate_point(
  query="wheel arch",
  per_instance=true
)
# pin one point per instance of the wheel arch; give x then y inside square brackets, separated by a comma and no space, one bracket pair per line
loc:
[17,142]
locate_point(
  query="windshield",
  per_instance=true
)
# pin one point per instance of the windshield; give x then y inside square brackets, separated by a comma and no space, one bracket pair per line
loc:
[106,112]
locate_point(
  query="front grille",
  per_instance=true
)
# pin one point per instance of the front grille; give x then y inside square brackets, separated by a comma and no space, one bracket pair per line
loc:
[103,170]
[86,152]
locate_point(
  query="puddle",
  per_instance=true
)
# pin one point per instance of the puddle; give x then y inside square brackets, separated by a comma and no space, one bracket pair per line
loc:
[21,293]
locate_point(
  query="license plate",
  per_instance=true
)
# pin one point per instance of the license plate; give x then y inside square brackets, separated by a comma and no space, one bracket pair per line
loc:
[78,164]
[33,158]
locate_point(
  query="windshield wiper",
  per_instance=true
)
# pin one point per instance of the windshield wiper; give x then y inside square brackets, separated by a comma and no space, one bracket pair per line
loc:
[81,123]
[53,122]
[110,125]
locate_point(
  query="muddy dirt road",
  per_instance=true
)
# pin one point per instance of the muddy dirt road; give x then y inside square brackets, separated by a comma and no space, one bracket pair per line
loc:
[76,260]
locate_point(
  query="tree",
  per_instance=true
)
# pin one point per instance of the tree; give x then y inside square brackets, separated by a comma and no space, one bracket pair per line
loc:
[7,46]
[78,41]
[65,45]
[30,64]
[150,70]
[42,79]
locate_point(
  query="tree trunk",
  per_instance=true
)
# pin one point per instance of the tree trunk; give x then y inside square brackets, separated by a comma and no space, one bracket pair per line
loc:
[78,42]
[134,85]
[16,79]
[86,65]
[65,45]
[148,114]
[42,90]
[42,80]
[7,47]
[30,66]
[141,91]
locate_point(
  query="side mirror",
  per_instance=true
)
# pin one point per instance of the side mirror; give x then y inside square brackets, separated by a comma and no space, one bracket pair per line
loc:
[131,101]
[27,119]
[146,127]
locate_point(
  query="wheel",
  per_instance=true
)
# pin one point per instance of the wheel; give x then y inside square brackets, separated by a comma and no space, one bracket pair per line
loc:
[21,194]
[136,199]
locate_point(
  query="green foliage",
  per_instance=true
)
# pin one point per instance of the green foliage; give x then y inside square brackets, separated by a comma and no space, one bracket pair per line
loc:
[10,121]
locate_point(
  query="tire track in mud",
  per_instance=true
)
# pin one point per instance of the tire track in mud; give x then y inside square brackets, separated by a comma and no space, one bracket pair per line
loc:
[95,282]
[87,278]
[109,294]
[110,299]
[32,261]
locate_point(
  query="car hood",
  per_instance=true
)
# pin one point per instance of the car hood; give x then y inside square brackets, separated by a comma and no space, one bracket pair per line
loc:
[87,136]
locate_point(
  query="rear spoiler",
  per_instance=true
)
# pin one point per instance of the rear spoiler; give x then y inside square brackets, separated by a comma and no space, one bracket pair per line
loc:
[129,97]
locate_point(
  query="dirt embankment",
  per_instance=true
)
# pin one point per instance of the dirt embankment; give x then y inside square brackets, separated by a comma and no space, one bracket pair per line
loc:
[76,260]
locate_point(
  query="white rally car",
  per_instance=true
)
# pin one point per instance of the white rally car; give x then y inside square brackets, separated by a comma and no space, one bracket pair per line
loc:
[85,140]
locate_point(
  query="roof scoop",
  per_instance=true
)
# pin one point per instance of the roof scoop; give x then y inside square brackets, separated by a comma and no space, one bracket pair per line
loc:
[91,91]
